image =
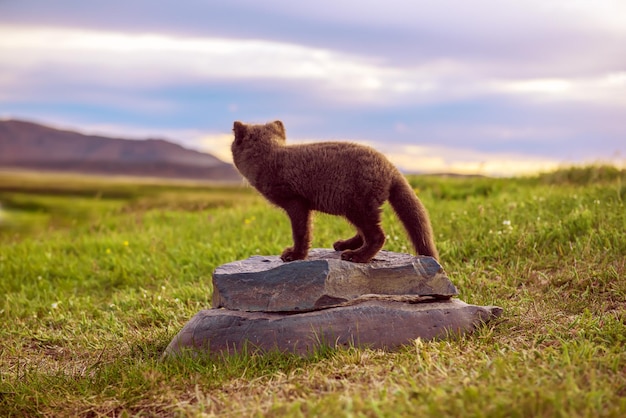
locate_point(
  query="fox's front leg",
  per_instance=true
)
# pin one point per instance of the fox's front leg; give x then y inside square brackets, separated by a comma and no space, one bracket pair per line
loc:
[300,217]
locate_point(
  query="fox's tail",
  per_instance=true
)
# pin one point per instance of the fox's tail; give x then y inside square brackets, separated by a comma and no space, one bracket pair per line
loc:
[413,216]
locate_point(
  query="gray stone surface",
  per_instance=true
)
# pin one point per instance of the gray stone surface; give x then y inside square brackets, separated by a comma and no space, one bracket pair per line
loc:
[267,284]
[371,323]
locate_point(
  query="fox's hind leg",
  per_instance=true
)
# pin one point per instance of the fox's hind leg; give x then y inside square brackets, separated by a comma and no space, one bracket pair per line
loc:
[367,222]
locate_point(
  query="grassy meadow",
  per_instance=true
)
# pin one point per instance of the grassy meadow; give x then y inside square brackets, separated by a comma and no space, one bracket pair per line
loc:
[98,275]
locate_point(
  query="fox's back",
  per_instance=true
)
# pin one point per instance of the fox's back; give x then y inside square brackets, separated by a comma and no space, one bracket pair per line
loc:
[333,175]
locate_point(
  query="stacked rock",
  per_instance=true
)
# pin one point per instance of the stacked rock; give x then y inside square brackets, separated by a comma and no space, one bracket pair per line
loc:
[262,303]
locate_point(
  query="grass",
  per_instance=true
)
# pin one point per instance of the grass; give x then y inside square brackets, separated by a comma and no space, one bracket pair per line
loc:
[97,276]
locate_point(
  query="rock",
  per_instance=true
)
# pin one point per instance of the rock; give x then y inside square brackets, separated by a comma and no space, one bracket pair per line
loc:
[372,323]
[267,284]
[267,304]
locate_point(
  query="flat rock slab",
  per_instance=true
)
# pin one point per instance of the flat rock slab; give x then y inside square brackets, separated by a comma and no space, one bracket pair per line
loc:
[374,323]
[267,284]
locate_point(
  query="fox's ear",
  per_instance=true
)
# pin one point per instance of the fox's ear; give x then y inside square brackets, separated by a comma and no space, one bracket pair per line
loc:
[281,128]
[239,129]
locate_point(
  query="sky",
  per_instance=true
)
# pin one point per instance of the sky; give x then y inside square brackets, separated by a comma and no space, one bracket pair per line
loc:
[494,87]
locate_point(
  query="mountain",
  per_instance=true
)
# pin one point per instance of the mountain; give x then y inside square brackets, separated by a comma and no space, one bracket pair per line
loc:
[32,146]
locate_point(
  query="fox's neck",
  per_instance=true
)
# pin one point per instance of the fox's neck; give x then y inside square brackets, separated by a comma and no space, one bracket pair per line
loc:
[254,161]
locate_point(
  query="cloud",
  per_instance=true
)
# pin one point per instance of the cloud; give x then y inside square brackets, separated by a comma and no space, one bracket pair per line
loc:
[111,59]
[48,57]
[92,66]
[607,89]
[217,144]
[442,159]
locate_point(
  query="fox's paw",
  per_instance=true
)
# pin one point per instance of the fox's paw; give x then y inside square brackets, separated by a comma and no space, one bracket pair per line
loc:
[289,254]
[355,256]
[338,245]
[348,244]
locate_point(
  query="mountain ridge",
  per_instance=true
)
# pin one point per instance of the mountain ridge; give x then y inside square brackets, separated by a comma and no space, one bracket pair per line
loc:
[30,145]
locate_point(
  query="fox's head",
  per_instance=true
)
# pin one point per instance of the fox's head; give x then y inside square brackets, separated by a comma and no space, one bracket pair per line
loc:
[248,135]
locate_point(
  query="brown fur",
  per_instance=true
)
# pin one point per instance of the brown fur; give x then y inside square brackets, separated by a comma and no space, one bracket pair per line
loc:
[333,177]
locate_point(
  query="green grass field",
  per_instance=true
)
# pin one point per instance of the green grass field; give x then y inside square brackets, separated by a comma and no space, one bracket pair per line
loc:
[97,276]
